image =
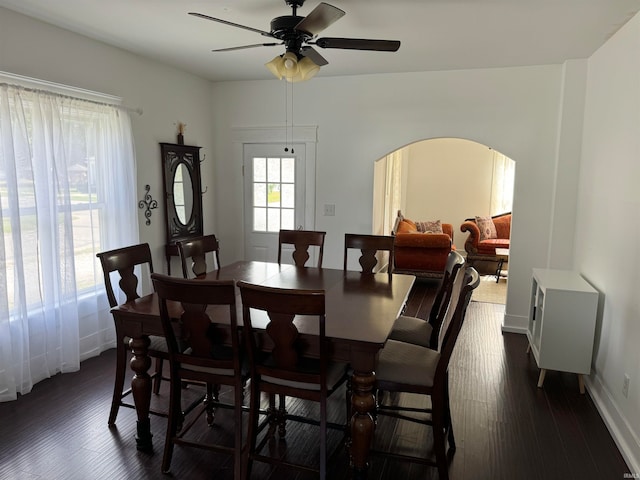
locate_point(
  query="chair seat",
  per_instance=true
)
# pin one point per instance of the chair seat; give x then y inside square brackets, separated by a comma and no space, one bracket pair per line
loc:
[407,368]
[223,352]
[412,330]
[159,344]
[335,373]
[405,363]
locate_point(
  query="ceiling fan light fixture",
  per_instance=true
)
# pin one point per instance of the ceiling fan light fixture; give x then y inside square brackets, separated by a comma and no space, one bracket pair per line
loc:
[290,63]
[292,68]
[307,68]
[274,66]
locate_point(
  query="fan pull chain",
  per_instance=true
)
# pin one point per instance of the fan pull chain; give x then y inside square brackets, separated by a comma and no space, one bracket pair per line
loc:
[286,117]
[292,118]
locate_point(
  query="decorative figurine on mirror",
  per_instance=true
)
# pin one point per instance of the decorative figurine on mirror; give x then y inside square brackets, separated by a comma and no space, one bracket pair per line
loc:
[181,127]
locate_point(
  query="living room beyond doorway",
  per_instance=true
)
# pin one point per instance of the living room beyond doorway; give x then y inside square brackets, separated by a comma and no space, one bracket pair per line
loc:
[447,179]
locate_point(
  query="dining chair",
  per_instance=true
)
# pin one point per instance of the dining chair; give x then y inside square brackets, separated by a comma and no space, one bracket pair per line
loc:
[284,362]
[193,255]
[124,261]
[407,368]
[302,241]
[425,332]
[200,324]
[369,246]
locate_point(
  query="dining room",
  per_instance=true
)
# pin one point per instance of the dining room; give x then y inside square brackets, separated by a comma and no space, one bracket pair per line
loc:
[494,402]
[566,121]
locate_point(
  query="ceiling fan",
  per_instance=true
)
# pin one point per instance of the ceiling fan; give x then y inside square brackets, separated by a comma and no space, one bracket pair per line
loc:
[300,60]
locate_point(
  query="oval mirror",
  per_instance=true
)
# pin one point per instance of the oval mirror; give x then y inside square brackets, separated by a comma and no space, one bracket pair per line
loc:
[183,193]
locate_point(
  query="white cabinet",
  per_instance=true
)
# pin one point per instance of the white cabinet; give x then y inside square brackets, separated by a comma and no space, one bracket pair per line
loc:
[562,320]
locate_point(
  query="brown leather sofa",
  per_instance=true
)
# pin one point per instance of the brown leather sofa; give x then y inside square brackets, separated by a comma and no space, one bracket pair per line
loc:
[418,253]
[481,254]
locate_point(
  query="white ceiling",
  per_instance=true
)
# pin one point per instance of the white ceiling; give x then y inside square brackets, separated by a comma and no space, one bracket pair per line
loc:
[435,34]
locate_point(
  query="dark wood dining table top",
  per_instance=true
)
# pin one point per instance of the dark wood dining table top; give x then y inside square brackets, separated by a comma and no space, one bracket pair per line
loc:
[359,307]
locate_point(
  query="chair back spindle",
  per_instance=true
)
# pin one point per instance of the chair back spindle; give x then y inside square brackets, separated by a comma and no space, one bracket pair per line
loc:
[302,240]
[124,261]
[369,246]
[193,255]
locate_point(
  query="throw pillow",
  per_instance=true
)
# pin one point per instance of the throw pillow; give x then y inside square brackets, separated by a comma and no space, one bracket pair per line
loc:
[430,227]
[487,228]
[406,226]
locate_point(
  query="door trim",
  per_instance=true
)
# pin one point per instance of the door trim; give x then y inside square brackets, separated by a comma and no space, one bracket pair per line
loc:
[301,134]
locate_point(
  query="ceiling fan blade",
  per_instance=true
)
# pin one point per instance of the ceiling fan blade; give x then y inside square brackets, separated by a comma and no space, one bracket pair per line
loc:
[230,49]
[226,22]
[320,18]
[313,55]
[358,44]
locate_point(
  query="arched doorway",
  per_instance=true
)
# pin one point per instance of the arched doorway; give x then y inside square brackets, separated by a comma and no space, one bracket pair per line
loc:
[447,179]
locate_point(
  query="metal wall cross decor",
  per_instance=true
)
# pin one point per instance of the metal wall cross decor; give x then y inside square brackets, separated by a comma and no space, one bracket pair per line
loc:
[148,203]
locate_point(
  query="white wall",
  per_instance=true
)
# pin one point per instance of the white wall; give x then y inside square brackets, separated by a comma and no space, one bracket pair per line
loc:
[361,119]
[607,246]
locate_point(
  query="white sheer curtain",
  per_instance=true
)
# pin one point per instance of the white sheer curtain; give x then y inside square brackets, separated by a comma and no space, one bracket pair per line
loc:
[504,170]
[393,188]
[67,191]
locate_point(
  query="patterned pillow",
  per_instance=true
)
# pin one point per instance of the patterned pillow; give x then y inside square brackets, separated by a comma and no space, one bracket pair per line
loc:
[487,228]
[429,227]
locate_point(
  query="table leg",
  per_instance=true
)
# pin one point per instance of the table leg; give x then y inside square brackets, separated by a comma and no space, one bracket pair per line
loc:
[362,424]
[141,390]
[499,269]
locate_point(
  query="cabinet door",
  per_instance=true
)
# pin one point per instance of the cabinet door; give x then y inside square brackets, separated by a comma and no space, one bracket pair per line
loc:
[535,317]
[568,326]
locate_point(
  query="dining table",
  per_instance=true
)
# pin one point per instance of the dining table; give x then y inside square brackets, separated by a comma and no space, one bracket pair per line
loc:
[360,312]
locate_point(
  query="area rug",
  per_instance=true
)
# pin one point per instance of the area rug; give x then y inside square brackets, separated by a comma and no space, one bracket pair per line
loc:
[489,291]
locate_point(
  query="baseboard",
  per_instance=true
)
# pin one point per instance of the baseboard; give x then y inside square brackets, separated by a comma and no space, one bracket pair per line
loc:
[506,329]
[624,437]
[514,324]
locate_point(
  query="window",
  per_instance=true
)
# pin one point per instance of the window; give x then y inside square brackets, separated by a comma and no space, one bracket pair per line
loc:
[504,170]
[273,193]
[78,170]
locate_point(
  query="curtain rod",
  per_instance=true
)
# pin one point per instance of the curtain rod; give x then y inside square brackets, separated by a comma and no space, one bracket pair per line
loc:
[71,97]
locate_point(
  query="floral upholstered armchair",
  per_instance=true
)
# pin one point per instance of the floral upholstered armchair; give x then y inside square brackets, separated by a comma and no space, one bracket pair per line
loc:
[485,235]
[421,248]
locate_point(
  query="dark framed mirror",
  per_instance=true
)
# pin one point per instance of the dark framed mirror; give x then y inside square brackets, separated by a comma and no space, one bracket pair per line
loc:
[182,193]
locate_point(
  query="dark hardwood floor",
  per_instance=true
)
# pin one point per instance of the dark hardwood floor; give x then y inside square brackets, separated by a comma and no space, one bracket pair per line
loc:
[505,427]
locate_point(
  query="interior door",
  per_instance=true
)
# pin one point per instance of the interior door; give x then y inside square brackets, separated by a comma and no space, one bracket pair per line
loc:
[274,196]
